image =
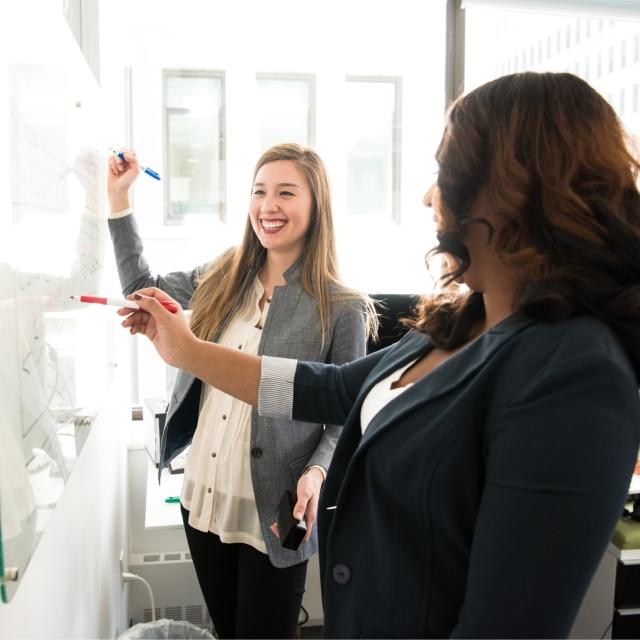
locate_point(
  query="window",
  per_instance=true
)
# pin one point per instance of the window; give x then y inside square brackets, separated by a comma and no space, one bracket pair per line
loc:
[373,146]
[286,109]
[194,144]
[209,127]
[611,56]
[611,73]
[82,16]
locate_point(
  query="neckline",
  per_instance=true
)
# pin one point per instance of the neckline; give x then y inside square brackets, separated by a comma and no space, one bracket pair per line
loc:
[397,374]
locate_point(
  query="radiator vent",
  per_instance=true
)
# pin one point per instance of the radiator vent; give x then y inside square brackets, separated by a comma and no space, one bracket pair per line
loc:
[193,614]
[151,557]
[173,613]
[155,558]
[147,615]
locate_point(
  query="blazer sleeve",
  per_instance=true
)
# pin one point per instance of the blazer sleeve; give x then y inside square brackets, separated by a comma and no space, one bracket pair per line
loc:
[559,460]
[349,342]
[134,271]
[312,391]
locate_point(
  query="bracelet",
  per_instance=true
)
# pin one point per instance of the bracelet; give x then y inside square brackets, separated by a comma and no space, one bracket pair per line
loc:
[319,468]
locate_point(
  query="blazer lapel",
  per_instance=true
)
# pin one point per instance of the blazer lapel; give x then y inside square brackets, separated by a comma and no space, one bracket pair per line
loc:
[446,377]
[411,346]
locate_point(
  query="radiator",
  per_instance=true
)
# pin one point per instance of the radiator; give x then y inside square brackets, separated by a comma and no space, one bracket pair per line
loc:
[175,589]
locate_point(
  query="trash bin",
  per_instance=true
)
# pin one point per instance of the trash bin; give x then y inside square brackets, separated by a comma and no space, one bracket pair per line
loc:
[165,629]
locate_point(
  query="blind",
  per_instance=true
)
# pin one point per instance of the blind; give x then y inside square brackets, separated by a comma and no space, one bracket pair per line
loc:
[624,9]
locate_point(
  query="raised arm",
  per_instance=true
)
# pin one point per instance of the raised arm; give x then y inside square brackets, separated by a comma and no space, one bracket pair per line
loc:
[324,392]
[133,269]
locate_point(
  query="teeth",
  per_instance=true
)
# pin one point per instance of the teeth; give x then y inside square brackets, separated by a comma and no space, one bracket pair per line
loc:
[275,224]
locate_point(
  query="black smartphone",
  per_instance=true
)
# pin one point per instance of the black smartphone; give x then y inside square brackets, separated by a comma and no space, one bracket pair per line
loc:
[291,530]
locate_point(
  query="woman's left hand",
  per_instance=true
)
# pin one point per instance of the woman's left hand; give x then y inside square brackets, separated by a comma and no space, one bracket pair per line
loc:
[308,492]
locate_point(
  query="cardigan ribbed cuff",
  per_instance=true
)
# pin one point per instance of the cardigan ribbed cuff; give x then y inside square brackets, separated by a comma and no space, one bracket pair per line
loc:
[121,214]
[275,394]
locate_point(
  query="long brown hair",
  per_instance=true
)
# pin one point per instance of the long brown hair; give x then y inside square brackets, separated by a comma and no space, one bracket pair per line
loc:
[550,158]
[229,279]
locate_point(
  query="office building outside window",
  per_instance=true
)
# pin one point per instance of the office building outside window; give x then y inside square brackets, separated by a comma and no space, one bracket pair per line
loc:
[373,146]
[494,36]
[194,144]
[286,109]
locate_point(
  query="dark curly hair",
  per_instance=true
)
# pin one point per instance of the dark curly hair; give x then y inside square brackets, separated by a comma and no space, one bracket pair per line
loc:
[554,164]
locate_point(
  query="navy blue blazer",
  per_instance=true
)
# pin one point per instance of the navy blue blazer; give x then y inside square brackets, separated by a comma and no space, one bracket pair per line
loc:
[479,502]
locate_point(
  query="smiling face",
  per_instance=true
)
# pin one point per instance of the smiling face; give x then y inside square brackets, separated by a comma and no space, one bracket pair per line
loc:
[280,207]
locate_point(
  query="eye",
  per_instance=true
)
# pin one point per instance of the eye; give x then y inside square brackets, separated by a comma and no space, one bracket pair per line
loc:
[258,192]
[286,193]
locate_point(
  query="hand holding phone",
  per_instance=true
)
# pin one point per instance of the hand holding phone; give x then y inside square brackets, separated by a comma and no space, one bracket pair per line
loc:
[292,531]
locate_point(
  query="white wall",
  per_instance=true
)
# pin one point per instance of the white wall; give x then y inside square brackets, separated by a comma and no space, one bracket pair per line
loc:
[72,586]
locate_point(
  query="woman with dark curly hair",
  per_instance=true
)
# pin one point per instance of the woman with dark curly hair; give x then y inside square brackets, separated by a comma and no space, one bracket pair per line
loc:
[485,457]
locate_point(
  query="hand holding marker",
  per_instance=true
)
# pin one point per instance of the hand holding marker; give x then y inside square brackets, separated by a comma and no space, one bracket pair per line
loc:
[126,304]
[149,172]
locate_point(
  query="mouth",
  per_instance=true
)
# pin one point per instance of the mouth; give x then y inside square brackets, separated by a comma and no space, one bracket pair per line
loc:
[272,226]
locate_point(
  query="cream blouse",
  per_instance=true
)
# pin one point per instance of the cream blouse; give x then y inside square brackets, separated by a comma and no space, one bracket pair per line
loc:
[217,488]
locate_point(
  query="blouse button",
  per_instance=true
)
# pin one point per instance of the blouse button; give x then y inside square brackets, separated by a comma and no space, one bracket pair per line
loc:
[269,300]
[213,455]
[224,417]
[209,490]
[239,346]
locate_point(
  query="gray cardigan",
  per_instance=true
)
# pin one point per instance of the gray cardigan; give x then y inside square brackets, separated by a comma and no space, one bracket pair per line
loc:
[280,449]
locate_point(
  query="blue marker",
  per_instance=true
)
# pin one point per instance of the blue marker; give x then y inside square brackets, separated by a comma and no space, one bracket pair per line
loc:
[149,172]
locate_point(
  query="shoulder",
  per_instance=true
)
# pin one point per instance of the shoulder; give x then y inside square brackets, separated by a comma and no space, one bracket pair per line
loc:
[582,344]
[582,334]
[347,301]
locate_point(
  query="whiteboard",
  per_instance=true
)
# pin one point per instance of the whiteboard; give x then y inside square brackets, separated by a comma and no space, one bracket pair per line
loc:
[55,363]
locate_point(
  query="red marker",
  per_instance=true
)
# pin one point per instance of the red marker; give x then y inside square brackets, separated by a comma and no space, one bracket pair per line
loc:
[128,304]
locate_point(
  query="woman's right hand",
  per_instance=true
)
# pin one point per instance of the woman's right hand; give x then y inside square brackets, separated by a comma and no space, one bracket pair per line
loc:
[121,175]
[169,332]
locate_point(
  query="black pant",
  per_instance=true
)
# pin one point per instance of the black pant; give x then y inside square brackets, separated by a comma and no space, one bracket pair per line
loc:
[246,595]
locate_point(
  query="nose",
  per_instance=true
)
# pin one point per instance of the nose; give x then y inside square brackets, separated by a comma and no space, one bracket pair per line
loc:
[428,198]
[269,204]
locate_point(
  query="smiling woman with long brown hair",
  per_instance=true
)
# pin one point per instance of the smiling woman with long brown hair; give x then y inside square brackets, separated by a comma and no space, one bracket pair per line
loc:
[278,293]
[485,457]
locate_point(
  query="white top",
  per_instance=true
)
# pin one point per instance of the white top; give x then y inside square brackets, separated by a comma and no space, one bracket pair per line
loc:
[381,395]
[217,488]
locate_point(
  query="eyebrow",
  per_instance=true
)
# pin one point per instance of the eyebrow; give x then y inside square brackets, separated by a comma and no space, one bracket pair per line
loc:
[282,184]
